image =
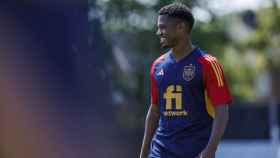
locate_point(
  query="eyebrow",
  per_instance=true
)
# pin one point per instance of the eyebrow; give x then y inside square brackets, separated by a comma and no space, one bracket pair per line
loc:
[161,24]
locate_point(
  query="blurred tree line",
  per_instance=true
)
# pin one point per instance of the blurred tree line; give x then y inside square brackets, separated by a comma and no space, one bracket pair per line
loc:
[246,43]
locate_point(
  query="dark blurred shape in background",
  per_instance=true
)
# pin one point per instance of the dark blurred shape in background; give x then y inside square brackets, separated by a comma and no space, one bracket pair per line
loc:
[51,95]
[55,85]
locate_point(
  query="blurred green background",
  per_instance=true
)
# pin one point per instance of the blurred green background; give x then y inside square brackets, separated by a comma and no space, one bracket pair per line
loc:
[246,41]
[243,35]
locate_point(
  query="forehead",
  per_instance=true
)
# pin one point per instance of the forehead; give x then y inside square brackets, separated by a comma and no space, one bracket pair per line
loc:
[167,20]
[162,19]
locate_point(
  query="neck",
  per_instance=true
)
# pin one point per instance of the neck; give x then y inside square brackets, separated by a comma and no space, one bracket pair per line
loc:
[182,49]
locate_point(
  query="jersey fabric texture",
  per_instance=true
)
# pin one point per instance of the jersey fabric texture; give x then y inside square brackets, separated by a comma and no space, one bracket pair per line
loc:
[186,92]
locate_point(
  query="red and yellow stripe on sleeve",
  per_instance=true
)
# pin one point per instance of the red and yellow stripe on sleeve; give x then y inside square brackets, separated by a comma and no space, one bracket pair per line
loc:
[217,70]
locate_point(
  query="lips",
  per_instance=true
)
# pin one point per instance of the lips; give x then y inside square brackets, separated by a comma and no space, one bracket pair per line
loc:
[163,39]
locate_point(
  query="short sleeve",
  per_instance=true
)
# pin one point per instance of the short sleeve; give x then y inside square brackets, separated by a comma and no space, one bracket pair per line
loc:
[154,89]
[216,87]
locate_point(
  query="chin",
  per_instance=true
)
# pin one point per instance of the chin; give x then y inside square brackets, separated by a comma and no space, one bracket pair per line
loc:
[164,45]
[165,48]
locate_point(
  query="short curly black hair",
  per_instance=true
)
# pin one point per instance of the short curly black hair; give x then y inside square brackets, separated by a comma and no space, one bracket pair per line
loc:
[180,11]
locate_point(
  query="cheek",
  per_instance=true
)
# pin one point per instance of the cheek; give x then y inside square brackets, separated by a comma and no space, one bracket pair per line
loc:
[171,33]
[172,36]
[168,31]
[176,34]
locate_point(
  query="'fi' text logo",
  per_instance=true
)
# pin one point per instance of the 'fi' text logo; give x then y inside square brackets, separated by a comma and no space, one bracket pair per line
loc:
[173,93]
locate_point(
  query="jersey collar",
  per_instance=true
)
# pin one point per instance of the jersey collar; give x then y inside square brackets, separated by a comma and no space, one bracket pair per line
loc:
[171,55]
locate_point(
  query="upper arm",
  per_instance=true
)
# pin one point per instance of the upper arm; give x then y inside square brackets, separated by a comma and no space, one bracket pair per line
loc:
[222,108]
[154,110]
[215,84]
[222,112]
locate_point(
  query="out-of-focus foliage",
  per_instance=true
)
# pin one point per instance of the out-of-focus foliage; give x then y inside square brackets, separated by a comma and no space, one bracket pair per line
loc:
[262,49]
[244,56]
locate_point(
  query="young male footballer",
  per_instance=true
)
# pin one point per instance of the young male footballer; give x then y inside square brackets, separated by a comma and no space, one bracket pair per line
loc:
[189,94]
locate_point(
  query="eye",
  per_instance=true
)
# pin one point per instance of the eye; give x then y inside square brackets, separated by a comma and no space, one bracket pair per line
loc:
[161,27]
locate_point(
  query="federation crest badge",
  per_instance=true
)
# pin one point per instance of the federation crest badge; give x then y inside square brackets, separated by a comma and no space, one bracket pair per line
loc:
[189,72]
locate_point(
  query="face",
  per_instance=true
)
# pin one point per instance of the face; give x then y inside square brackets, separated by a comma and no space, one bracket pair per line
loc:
[168,31]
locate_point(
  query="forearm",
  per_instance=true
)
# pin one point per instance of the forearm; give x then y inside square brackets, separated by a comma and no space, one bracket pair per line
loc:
[218,127]
[151,124]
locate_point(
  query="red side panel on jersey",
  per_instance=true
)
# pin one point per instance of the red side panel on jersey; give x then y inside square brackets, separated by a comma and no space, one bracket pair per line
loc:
[154,88]
[216,87]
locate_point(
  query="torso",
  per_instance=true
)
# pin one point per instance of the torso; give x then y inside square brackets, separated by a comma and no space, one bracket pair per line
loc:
[185,123]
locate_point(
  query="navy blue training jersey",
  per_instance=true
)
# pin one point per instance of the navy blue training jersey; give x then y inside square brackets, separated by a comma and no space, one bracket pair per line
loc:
[186,92]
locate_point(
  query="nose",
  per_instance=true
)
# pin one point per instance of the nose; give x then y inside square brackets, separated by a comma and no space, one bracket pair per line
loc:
[158,32]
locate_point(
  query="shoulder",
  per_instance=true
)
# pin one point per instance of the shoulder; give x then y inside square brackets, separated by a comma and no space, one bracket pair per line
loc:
[208,60]
[159,60]
[156,62]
